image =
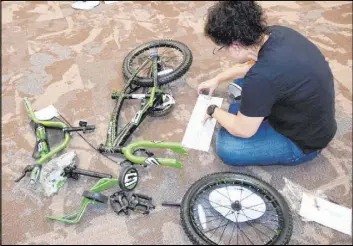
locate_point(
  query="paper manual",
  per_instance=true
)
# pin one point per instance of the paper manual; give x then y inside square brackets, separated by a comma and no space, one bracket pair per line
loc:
[326,213]
[46,113]
[198,135]
[109,2]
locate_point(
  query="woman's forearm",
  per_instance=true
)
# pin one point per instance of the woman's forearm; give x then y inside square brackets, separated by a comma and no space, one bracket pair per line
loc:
[236,72]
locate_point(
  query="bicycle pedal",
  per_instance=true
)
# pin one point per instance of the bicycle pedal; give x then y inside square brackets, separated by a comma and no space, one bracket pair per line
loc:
[120,202]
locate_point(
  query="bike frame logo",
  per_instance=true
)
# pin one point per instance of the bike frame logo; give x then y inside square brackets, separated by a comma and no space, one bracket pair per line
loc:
[151,161]
[131,178]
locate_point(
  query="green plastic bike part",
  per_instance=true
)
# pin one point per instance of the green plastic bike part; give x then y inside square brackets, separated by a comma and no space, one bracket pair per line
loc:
[41,137]
[174,146]
[52,124]
[35,174]
[75,217]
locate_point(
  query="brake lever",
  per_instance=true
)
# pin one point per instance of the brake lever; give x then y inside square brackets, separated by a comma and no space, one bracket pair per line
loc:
[27,169]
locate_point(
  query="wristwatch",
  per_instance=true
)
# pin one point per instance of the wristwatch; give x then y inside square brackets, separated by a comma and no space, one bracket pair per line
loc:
[211,109]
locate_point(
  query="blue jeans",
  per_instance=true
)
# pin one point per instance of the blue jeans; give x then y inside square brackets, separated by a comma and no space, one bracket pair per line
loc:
[266,147]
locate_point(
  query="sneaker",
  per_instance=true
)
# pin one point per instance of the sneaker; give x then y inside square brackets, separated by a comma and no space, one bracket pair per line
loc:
[85,5]
[234,91]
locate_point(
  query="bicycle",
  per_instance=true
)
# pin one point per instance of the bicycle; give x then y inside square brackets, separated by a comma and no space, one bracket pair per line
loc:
[155,103]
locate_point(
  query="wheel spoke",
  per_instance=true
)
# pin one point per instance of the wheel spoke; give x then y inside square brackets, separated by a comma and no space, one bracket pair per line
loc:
[212,208]
[270,202]
[229,195]
[262,211]
[247,196]
[255,229]
[224,230]
[211,220]
[170,59]
[230,239]
[224,195]
[259,222]
[219,226]
[165,52]
[245,236]
[216,203]
[237,229]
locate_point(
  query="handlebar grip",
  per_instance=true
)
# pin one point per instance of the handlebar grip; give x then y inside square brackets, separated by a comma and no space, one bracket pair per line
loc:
[27,104]
[30,110]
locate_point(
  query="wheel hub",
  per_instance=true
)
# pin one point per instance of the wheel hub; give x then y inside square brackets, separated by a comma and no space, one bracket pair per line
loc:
[236,206]
[229,201]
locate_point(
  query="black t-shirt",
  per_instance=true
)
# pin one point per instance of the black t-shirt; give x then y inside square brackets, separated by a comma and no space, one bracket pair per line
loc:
[292,85]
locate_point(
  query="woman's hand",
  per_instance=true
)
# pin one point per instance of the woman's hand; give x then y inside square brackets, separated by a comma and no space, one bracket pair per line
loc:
[209,85]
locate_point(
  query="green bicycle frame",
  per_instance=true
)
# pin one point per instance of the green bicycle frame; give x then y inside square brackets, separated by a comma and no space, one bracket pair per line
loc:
[116,139]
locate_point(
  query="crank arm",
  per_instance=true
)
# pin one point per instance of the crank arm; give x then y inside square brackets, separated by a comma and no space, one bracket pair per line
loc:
[128,152]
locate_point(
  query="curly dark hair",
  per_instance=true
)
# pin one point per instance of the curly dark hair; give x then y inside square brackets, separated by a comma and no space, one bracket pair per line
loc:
[235,21]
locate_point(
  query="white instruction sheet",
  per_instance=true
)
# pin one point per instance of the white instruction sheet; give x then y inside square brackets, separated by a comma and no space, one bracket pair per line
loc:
[109,2]
[326,213]
[46,113]
[199,135]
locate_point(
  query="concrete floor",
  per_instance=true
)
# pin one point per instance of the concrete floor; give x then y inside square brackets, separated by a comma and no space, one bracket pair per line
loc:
[72,60]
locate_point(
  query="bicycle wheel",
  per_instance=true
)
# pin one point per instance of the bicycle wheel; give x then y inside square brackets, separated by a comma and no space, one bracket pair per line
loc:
[174,59]
[232,208]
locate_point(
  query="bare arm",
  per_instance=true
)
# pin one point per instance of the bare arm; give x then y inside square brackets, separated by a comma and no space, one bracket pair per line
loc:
[235,72]
[238,125]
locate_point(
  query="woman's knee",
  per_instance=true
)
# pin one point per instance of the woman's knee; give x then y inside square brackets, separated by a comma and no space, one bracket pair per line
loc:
[226,146]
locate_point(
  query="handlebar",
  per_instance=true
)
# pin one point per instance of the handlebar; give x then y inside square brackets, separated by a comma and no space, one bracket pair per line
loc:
[174,146]
[52,124]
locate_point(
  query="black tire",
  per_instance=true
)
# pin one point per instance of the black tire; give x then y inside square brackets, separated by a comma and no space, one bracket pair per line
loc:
[95,196]
[162,79]
[198,238]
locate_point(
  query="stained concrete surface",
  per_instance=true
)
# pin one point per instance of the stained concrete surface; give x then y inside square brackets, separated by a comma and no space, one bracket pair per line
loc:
[71,59]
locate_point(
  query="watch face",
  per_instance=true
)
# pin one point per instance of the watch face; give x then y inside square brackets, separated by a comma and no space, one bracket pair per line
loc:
[210,110]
